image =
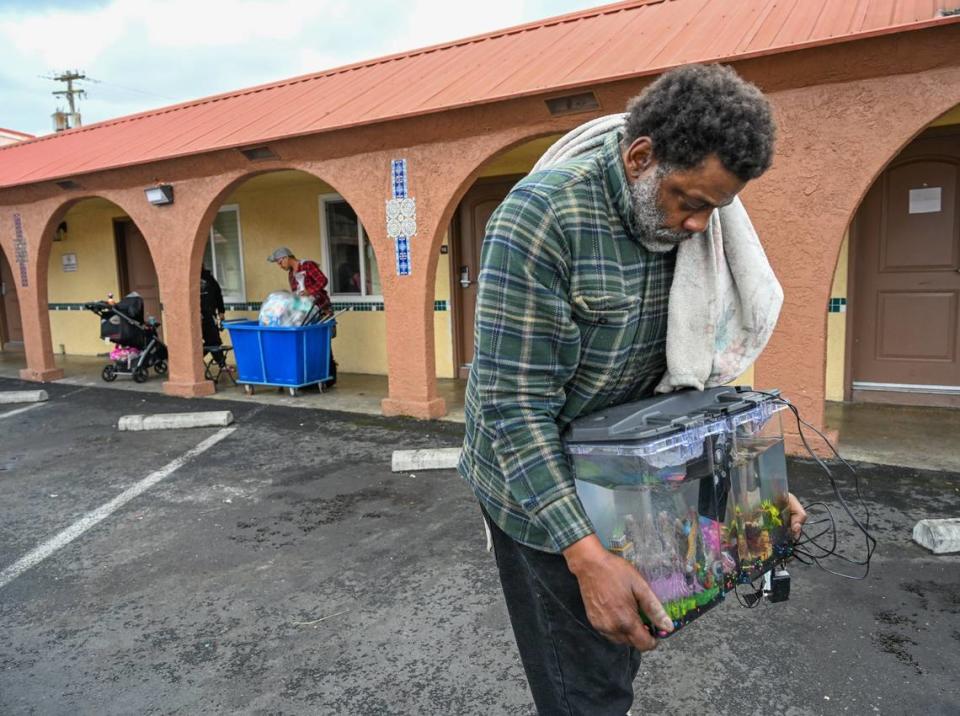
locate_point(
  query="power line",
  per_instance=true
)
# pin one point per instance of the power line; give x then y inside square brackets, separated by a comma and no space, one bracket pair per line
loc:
[131,89]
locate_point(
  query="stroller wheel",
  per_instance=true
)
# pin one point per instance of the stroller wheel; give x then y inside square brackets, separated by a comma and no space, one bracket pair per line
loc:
[109,373]
[160,367]
[140,375]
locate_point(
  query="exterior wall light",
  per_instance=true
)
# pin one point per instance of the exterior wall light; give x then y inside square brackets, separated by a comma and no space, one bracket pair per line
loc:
[61,233]
[160,194]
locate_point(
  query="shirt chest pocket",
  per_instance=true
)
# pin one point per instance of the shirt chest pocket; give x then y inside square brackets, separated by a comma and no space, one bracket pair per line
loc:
[608,327]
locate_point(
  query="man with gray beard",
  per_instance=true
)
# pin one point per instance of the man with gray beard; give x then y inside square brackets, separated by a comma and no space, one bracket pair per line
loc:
[571,318]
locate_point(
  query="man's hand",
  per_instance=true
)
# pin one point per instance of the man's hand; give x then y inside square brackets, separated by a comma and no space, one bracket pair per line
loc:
[798,515]
[612,590]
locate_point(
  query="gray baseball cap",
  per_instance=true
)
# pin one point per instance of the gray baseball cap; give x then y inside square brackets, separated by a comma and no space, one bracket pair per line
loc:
[281,253]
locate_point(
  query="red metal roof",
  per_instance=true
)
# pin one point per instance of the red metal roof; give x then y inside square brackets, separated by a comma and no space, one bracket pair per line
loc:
[625,39]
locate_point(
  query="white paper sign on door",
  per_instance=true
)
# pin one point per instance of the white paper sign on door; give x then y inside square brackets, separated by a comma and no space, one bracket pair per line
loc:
[926,200]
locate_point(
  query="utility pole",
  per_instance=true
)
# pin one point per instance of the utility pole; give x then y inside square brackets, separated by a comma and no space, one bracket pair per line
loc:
[67,120]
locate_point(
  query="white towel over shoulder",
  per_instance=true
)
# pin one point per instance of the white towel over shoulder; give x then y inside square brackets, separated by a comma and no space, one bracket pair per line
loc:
[725,298]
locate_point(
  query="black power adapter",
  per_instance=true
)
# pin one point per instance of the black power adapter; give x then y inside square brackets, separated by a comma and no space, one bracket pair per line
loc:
[776,585]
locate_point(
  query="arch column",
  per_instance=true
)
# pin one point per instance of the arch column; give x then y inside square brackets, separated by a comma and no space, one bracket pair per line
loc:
[438,175]
[34,315]
[38,347]
[408,302]
[181,331]
[177,261]
[411,362]
[366,182]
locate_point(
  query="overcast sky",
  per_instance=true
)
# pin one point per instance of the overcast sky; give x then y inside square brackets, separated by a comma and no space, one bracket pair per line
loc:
[141,55]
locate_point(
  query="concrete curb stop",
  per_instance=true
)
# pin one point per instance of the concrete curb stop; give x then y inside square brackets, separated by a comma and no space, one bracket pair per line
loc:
[939,536]
[22,396]
[433,459]
[172,421]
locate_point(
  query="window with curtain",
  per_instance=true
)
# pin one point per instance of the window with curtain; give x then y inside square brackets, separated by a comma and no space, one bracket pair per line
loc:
[351,262]
[224,254]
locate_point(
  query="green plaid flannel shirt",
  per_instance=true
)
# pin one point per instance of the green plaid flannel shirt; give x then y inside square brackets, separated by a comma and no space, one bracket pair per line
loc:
[571,317]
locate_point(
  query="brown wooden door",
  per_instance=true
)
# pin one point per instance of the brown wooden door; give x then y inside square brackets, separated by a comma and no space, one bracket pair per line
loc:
[11,330]
[906,340]
[475,210]
[137,272]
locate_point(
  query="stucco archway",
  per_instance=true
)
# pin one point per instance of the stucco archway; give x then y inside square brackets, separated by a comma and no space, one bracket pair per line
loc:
[481,190]
[851,309]
[283,181]
[835,140]
[89,278]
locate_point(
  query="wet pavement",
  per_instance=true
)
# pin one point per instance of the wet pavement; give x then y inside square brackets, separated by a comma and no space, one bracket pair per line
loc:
[288,571]
[897,434]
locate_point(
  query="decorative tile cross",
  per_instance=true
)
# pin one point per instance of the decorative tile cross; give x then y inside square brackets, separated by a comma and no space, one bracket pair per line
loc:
[401,217]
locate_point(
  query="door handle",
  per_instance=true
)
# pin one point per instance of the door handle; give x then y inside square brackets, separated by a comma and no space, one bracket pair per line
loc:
[465,281]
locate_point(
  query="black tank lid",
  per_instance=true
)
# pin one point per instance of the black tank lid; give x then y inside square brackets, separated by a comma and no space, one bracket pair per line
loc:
[663,415]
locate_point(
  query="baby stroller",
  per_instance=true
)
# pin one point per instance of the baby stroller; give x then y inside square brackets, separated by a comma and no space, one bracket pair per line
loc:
[138,348]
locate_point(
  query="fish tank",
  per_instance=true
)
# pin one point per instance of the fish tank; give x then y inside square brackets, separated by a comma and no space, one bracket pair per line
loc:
[756,523]
[689,487]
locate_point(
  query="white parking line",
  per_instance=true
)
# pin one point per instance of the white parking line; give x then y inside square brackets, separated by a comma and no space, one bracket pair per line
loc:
[11,413]
[73,392]
[89,520]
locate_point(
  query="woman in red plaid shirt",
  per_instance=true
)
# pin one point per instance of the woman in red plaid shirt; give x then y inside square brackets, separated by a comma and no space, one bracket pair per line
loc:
[306,279]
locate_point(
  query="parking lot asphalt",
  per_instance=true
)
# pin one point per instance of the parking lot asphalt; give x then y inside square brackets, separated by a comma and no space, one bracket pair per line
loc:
[286,570]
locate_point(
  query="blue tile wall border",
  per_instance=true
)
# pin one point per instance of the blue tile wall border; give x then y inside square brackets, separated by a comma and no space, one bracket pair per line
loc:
[255,306]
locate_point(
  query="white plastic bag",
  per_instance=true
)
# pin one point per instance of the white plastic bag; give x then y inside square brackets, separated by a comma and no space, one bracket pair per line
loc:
[282,308]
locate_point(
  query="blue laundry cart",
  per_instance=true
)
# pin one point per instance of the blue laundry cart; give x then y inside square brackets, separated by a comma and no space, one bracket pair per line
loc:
[290,357]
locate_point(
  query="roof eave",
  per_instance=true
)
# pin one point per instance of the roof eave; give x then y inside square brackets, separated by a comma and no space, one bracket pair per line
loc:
[797,47]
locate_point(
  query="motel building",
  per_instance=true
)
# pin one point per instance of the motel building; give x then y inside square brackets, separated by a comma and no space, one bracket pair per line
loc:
[860,214]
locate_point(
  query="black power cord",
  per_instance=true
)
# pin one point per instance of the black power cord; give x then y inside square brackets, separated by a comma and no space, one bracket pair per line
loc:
[816,548]
[752,598]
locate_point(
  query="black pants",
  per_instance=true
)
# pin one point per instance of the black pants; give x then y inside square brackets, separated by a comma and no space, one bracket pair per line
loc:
[211,337]
[571,668]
